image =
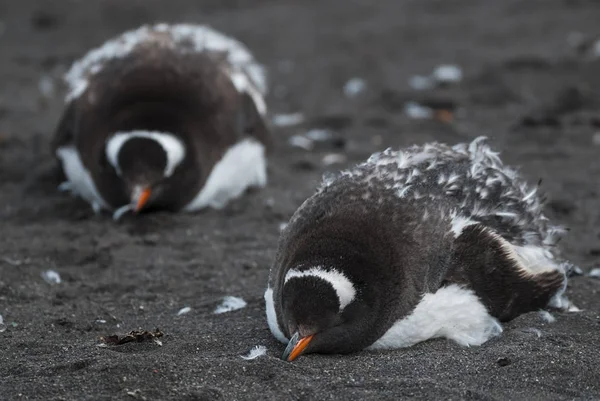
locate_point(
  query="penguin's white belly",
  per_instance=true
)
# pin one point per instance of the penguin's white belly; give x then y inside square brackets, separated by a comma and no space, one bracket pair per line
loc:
[452,312]
[244,165]
[79,178]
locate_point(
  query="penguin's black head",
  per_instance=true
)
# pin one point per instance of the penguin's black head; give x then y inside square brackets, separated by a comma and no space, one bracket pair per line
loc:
[144,161]
[322,313]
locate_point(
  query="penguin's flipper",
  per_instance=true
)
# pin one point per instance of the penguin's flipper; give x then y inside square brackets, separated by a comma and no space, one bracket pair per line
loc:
[509,280]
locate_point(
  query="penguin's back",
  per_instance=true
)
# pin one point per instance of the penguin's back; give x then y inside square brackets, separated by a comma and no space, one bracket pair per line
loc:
[180,39]
[461,183]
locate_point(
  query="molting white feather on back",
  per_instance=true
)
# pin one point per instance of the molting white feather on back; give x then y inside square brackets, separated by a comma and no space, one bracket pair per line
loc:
[246,74]
[173,147]
[459,223]
[467,180]
[452,312]
[342,286]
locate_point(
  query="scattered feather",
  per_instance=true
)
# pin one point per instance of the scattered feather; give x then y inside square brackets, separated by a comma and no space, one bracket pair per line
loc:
[100,321]
[334,158]
[2,325]
[184,310]
[447,73]
[288,120]
[354,87]
[230,304]
[595,273]
[51,277]
[319,135]
[533,330]
[255,352]
[596,139]
[416,111]
[420,82]
[299,141]
[547,316]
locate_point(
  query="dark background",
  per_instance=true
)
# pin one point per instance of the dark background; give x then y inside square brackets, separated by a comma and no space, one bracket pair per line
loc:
[526,87]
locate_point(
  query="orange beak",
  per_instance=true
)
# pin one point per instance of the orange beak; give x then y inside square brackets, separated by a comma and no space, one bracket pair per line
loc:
[143,199]
[296,346]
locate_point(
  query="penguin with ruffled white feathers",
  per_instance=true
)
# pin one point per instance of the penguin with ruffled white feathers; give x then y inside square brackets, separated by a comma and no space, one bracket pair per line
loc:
[430,241]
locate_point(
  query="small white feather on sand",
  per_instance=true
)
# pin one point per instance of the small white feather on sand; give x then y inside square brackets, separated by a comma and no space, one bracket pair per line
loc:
[416,111]
[51,277]
[230,304]
[288,120]
[595,273]
[354,87]
[533,330]
[184,310]
[299,141]
[255,352]
[547,316]
[447,73]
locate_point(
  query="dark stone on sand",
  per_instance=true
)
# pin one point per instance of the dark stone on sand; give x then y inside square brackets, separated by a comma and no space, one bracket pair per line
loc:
[44,20]
[503,361]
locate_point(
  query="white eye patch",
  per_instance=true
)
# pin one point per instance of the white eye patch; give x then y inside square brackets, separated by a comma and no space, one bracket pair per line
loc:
[173,147]
[342,286]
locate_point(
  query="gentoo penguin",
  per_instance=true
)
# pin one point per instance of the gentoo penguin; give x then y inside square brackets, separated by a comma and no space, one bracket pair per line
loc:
[165,116]
[430,241]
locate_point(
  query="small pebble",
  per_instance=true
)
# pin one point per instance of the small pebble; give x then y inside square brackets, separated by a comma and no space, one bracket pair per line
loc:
[447,73]
[354,87]
[2,325]
[282,226]
[416,111]
[420,82]
[288,120]
[51,277]
[334,158]
[184,310]
[319,135]
[504,361]
[299,141]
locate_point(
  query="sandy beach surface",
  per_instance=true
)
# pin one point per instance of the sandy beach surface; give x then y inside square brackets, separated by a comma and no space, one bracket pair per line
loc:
[531,83]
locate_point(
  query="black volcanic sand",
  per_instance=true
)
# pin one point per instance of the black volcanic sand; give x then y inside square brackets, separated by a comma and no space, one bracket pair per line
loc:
[525,86]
